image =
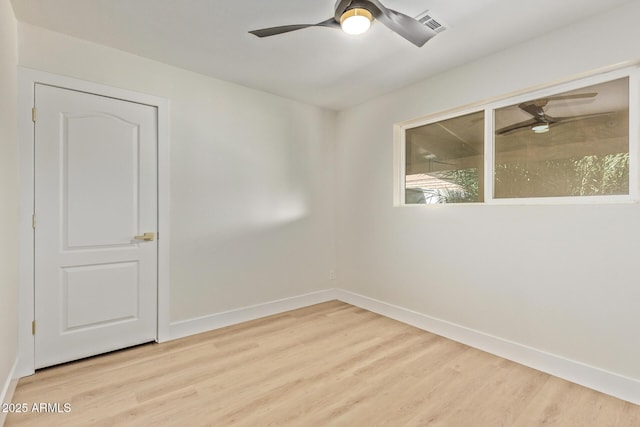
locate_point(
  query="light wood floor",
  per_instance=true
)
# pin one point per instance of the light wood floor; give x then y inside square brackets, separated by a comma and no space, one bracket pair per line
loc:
[329,364]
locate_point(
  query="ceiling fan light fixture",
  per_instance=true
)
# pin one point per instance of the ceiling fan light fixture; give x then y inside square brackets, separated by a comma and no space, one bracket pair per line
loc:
[540,128]
[356,21]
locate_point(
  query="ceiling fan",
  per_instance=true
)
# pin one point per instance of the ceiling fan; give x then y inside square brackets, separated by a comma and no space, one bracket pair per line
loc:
[541,121]
[356,16]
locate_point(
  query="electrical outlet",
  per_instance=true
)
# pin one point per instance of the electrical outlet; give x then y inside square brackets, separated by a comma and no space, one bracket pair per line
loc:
[332,274]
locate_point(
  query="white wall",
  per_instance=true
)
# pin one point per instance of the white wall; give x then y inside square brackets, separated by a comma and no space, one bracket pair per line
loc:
[561,279]
[8,194]
[251,173]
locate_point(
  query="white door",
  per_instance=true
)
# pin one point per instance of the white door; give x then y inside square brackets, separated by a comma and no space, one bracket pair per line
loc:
[95,191]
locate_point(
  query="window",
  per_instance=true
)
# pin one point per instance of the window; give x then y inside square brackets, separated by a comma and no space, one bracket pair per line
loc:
[444,161]
[571,144]
[575,141]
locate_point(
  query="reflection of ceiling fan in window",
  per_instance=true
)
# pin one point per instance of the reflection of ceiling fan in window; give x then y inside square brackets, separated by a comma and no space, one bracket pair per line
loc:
[541,121]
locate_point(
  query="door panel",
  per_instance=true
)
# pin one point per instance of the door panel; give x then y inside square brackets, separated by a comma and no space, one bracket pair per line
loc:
[90,160]
[99,294]
[95,190]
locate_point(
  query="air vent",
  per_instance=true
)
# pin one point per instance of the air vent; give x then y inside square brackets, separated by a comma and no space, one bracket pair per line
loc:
[436,24]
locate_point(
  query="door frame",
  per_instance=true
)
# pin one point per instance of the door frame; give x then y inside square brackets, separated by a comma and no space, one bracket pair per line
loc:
[27,79]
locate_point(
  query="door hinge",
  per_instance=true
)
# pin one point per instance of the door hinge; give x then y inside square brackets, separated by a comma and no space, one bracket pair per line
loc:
[33,327]
[34,114]
[33,221]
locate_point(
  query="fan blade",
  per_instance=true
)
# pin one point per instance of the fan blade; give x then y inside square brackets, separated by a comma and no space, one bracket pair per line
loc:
[533,109]
[574,96]
[405,26]
[266,32]
[582,117]
[517,126]
[340,8]
[329,23]
[552,121]
[535,106]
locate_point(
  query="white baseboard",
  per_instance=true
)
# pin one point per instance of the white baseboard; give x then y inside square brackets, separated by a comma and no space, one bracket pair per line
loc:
[597,379]
[220,320]
[8,388]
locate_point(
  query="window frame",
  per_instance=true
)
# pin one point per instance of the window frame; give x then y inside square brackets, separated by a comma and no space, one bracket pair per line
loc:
[489,108]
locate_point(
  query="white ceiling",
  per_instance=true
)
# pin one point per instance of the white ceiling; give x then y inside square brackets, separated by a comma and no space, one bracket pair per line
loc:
[320,66]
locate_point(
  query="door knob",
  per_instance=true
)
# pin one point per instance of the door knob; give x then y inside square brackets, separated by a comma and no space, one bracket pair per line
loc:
[148,236]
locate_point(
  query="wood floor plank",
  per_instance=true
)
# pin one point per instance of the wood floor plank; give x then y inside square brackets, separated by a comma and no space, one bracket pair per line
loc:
[365,364]
[329,364]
